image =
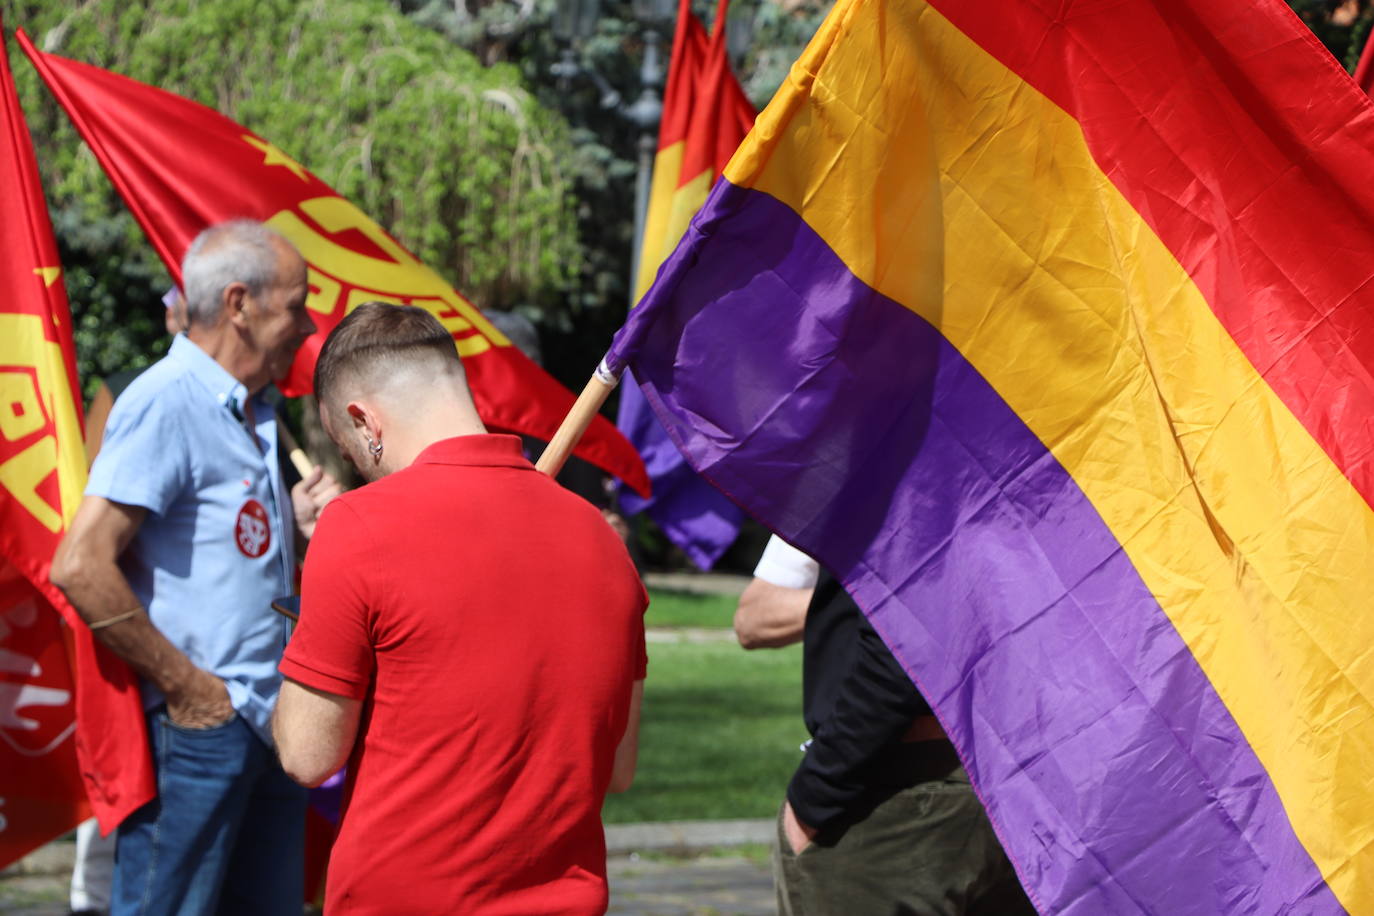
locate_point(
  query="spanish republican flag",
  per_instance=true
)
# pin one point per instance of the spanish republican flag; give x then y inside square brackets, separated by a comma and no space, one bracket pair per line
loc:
[1049,326]
[705,116]
[181,167]
[52,675]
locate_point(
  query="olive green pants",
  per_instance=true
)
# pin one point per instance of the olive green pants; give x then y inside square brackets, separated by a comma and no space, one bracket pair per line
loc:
[927,851]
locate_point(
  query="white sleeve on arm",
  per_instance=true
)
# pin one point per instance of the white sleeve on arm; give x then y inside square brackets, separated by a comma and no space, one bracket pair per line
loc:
[786,566]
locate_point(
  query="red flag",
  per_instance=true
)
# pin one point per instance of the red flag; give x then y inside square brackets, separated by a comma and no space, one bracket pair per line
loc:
[1364,70]
[723,114]
[42,472]
[705,116]
[181,166]
[40,793]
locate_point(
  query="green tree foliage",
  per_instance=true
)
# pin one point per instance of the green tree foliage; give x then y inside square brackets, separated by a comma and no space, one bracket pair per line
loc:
[602,165]
[456,159]
[604,162]
[115,283]
[778,30]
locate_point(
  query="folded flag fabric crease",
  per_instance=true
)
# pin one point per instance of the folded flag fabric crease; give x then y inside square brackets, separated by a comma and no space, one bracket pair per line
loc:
[1048,325]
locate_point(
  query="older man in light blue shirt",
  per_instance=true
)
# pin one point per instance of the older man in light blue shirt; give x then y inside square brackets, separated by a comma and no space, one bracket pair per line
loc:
[218,558]
[185,536]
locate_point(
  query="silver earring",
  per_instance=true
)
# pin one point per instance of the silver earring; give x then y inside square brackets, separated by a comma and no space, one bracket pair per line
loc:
[375,448]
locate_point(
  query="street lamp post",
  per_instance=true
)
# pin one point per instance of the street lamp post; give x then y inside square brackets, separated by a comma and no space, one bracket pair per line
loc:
[646,113]
[574,21]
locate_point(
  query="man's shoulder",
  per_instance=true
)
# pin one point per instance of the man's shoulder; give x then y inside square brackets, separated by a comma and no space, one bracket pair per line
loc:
[143,459]
[159,388]
[350,503]
[337,533]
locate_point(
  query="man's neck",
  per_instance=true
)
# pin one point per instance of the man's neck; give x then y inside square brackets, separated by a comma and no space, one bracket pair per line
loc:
[405,447]
[222,345]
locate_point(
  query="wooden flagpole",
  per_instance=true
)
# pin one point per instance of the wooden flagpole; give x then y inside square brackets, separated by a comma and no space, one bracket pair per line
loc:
[570,431]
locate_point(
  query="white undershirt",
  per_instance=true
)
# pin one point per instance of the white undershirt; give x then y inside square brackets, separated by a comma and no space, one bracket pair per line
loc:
[786,566]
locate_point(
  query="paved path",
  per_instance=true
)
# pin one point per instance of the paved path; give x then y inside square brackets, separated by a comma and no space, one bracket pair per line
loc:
[695,635]
[725,885]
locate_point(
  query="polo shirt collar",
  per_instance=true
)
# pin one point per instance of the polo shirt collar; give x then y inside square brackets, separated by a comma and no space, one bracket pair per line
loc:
[489,450]
[223,387]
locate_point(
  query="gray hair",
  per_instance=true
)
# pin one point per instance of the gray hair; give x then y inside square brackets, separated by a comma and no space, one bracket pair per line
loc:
[237,251]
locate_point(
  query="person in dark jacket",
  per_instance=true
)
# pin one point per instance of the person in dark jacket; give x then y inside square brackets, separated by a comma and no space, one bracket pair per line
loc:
[879,817]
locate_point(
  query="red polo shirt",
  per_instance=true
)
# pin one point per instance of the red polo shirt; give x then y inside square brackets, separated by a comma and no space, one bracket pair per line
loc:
[493,625]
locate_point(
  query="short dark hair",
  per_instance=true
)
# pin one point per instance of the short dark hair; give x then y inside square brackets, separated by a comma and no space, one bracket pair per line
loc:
[379,332]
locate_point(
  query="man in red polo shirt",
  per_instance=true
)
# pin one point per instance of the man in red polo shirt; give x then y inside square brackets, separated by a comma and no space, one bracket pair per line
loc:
[471,643]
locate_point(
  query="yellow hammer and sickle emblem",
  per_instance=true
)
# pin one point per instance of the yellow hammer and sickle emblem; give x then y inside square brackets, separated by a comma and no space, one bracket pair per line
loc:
[338,273]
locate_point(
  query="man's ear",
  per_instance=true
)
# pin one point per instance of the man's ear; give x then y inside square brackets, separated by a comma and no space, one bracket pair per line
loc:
[235,302]
[364,420]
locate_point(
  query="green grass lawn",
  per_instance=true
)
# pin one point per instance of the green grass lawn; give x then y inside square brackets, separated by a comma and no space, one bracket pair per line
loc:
[678,609]
[719,733]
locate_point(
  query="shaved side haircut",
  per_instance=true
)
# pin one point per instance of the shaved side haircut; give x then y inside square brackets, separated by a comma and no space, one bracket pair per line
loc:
[375,341]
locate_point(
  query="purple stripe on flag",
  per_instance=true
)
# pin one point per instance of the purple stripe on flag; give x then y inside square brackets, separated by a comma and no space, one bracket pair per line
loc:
[692,513]
[327,798]
[1112,769]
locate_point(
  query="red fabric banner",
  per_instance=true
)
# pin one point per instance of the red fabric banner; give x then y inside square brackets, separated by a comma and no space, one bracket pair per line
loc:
[1364,70]
[722,115]
[42,472]
[181,167]
[684,72]
[40,794]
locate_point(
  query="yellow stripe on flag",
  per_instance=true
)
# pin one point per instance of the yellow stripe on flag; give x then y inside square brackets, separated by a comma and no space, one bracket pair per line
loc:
[667,167]
[671,208]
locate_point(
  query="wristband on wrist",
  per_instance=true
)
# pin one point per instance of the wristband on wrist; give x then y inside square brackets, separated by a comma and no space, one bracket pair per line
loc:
[118,618]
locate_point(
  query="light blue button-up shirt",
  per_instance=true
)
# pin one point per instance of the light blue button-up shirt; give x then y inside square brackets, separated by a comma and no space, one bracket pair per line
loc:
[217,544]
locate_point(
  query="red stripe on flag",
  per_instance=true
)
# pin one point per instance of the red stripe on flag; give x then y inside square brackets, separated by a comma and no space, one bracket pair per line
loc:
[722,114]
[1199,127]
[1364,70]
[684,71]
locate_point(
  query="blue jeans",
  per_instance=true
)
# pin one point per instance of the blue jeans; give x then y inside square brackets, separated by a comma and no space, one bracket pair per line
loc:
[226,833]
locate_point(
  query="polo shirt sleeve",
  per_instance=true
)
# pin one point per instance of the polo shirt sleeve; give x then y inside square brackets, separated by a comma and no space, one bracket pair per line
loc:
[641,663]
[331,648]
[143,459]
[636,595]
